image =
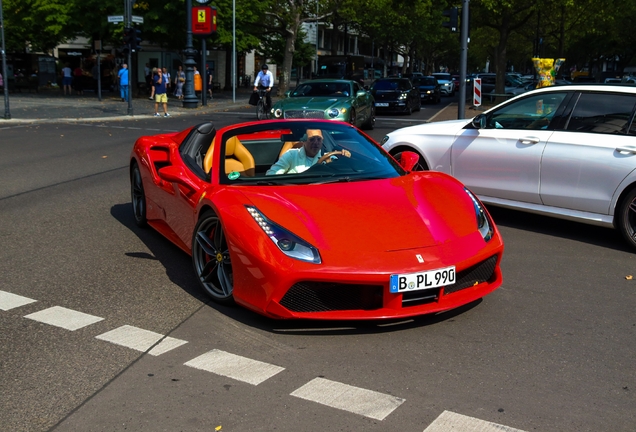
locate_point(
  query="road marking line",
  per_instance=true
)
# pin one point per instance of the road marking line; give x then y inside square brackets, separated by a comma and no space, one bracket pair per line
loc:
[234,366]
[10,301]
[450,421]
[357,400]
[65,318]
[141,340]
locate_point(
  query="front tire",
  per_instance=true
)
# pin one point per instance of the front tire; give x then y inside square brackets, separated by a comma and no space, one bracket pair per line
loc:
[370,123]
[138,197]
[211,259]
[626,217]
[260,110]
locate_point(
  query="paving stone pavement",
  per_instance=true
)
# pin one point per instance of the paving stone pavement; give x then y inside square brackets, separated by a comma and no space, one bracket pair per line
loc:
[50,105]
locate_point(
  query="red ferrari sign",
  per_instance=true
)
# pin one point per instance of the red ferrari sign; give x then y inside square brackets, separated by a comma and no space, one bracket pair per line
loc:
[203,20]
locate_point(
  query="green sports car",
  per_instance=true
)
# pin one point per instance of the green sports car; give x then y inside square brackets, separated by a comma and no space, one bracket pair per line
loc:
[330,99]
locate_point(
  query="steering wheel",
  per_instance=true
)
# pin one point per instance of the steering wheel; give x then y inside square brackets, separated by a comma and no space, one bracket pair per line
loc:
[328,157]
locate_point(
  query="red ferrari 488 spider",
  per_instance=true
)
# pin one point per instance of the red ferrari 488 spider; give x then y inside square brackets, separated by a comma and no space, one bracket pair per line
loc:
[313,219]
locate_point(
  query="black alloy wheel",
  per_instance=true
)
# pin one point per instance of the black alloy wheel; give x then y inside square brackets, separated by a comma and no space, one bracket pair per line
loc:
[370,123]
[211,259]
[138,197]
[626,217]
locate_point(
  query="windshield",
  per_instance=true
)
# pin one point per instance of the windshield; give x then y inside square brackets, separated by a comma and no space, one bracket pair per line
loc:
[442,76]
[390,85]
[317,88]
[303,152]
[425,81]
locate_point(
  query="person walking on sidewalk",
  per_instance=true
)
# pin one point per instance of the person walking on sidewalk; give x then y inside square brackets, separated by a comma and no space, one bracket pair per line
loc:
[210,80]
[179,80]
[152,83]
[67,79]
[123,82]
[160,93]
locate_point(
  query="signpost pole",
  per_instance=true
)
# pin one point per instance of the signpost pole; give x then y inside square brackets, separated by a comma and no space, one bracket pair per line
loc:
[463,61]
[132,77]
[7,112]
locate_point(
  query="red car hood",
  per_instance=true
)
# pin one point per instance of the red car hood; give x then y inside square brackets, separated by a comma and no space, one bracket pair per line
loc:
[366,218]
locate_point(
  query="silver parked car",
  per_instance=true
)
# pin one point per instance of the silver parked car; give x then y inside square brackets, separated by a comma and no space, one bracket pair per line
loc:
[564,151]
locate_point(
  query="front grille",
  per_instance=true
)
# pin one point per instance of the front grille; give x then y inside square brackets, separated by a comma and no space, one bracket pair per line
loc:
[480,272]
[326,296]
[304,114]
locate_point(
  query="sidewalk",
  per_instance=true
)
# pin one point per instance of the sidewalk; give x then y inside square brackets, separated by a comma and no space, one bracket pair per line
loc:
[50,105]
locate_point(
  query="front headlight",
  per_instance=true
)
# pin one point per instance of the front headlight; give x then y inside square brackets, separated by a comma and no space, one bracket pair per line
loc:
[403,96]
[333,112]
[384,140]
[428,92]
[278,112]
[483,223]
[290,244]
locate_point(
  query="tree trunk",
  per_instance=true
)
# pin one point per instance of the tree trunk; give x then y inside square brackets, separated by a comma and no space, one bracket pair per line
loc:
[290,47]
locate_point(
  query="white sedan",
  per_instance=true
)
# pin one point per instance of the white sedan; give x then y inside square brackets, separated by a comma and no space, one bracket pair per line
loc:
[564,151]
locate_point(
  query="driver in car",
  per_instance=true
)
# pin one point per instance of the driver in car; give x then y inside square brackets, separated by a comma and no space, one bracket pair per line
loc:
[297,160]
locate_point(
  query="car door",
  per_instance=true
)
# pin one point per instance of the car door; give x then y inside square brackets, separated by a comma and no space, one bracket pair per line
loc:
[361,102]
[185,182]
[584,164]
[503,160]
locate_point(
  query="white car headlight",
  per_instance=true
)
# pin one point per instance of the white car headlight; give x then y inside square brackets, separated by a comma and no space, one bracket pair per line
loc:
[333,113]
[278,112]
[384,140]
[289,243]
[483,223]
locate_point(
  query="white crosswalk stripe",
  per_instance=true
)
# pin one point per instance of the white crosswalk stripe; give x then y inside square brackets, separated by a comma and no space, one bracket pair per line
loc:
[234,366]
[65,318]
[141,340]
[357,400]
[449,421]
[9,301]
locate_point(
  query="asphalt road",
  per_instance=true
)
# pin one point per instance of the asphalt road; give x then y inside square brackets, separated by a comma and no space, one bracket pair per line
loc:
[551,350]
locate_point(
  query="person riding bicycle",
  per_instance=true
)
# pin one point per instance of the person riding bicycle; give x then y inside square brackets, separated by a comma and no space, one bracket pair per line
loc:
[265,80]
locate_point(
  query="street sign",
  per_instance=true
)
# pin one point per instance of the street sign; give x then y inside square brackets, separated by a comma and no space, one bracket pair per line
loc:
[203,20]
[137,19]
[115,18]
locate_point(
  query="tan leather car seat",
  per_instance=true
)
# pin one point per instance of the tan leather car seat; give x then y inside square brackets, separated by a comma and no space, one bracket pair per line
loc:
[289,145]
[238,158]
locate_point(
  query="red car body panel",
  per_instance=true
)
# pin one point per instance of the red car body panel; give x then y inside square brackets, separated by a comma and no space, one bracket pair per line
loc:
[365,231]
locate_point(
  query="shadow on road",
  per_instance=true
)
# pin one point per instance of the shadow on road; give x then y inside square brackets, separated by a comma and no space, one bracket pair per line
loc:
[179,270]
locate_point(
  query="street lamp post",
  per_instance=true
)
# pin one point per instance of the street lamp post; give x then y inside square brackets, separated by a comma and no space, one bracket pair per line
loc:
[7,112]
[189,98]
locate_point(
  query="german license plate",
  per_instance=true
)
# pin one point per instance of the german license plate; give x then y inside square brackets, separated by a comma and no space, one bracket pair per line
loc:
[424,280]
[383,104]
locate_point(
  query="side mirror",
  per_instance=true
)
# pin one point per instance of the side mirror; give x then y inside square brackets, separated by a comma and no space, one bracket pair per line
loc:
[361,93]
[479,122]
[175,175]
[288,93]
[408,160]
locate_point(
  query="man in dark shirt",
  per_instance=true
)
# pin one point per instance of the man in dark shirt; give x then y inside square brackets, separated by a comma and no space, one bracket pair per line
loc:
[161,95]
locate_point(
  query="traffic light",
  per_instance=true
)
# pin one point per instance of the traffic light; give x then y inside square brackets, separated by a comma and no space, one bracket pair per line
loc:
[135,39]
[128,35]
[452,22]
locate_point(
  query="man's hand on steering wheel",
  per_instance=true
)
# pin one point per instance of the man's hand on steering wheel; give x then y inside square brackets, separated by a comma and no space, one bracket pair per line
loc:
[328,157]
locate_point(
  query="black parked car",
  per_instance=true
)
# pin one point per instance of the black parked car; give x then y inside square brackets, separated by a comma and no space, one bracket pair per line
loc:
[430,90]
[396,95]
